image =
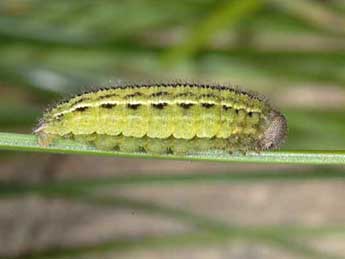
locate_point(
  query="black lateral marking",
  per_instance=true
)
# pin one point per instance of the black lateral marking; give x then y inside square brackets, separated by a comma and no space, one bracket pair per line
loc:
[133,106]
[250,114]
[81,108]
[207,105]
[159,106]
[133,95]
[185,105]
[159,94]
[225,107]
[108,105]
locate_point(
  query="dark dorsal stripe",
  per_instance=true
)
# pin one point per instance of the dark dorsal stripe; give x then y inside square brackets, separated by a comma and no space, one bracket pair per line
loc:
[159,94]
[133,106]
[186,94]
[108,105]
[185,105]
[208,96]
[159,106]
[107,96]
[81,100]
[207,105]
[133,95]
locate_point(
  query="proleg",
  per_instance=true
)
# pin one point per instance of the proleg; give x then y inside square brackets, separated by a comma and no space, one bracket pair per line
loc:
[166,118]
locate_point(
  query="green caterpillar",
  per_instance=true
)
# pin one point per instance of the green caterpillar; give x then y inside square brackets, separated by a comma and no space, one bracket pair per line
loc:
[166,118]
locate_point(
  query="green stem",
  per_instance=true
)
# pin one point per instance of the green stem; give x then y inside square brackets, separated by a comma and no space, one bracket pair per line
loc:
[22,142]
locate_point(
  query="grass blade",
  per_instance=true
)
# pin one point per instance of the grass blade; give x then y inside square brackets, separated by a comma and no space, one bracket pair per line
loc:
[23,142]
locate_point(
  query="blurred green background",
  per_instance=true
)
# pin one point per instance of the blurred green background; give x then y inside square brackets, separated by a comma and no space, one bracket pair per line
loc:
[55,206]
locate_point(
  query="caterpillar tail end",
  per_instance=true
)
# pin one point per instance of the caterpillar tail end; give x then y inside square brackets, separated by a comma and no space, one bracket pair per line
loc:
[276,132]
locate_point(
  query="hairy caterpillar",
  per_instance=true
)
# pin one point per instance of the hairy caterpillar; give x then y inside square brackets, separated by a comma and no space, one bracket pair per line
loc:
[166,118]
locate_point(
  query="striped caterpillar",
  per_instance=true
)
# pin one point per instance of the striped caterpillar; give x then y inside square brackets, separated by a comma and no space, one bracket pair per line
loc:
[164,118]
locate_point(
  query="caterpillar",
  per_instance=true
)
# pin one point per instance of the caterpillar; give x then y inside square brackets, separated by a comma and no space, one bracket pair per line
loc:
[165,118]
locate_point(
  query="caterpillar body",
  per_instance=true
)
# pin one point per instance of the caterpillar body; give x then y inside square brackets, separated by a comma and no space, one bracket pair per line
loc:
[166,118]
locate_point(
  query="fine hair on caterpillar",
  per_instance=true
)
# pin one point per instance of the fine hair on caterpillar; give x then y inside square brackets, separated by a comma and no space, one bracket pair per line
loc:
[178,117]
